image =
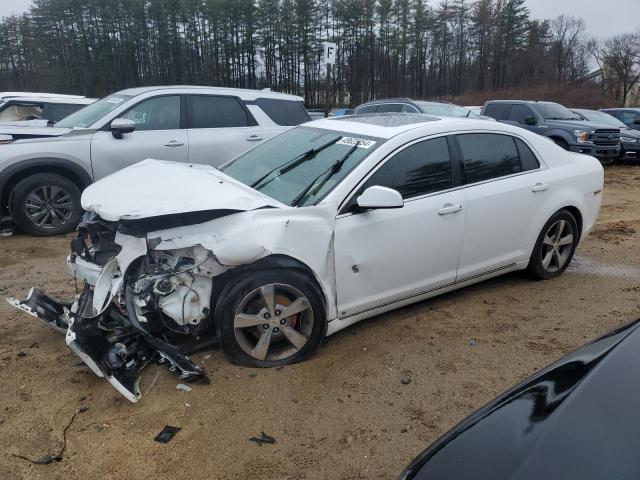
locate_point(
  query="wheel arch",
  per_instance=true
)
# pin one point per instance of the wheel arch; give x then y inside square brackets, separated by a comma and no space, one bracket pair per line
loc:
[17,172]
[274,261]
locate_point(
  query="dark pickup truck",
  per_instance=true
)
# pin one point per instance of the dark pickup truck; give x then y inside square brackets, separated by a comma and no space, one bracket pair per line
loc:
[559,124]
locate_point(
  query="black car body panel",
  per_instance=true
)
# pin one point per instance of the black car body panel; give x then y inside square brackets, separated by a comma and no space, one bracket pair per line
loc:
[576,419]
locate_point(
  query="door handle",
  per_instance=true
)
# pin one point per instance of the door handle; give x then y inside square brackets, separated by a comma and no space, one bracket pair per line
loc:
[174,143]
[448,208]
[540,187]
[254,138]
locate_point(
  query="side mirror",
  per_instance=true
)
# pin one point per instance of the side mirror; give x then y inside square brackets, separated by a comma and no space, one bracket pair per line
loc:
[380,197]
[636,121]
[531,120]
[120,126]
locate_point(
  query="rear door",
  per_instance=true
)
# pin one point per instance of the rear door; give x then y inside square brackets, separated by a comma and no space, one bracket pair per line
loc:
[505,187]
[159,134]
[219,128]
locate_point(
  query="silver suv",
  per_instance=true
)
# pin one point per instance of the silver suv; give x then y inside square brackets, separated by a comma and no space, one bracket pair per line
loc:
[43,170]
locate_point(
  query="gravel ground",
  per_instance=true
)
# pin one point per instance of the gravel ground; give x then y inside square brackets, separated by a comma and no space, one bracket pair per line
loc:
[372,397]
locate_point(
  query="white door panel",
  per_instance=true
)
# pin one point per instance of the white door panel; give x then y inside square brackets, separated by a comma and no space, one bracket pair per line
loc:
[499,220]
[109,154]
[384,255]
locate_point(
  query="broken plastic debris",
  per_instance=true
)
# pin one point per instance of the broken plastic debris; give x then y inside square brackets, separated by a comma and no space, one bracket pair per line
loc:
[167,433]
[263,438]
[182,386]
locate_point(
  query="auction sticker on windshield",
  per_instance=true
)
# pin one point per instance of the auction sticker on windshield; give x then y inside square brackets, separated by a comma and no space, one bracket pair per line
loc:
[361,142]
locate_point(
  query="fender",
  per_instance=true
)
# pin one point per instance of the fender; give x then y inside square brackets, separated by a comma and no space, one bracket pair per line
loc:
[57,163]
[557,132]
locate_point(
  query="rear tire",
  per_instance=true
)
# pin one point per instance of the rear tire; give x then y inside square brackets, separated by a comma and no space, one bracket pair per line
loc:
[555,246]
[46,204]
[255,330]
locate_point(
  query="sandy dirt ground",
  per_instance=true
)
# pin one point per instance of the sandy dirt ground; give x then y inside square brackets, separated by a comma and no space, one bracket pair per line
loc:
[344,414]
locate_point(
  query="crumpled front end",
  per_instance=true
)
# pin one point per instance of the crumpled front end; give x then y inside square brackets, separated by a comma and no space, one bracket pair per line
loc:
[124,317]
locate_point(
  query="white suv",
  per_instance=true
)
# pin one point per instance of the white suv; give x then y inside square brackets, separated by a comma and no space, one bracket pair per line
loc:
[43,170]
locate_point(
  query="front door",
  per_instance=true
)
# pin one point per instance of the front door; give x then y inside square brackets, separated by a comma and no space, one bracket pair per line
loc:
[157,135]
[383,256]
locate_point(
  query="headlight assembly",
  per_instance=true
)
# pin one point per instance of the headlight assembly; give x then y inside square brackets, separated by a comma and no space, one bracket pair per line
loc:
[583,136]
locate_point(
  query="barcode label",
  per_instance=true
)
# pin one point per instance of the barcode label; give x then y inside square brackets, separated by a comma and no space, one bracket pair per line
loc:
[361,142]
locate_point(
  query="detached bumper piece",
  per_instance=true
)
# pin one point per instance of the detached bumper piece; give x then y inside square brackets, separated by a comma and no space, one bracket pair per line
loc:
[51,311]
[111,345]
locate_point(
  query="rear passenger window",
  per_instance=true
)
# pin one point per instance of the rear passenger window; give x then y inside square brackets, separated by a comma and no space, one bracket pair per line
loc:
[419,169]
[208,111]
[389,107]
[487,156]
[284,112]
[499,111]
[527,158]
[367,109]
[409,109]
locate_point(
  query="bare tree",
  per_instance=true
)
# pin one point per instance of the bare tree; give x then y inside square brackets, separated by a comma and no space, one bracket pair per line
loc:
[620,60]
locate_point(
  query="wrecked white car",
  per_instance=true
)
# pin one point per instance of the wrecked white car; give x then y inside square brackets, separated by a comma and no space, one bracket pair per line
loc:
[322,226]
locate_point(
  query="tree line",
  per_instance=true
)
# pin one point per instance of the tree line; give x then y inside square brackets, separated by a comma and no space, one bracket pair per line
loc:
[412,48]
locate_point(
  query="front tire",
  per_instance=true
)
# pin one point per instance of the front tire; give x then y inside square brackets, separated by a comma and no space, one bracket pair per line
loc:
[269,318]
[46,204]
[555,246]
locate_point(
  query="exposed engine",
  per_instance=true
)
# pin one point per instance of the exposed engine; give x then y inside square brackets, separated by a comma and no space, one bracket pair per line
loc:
[157,308]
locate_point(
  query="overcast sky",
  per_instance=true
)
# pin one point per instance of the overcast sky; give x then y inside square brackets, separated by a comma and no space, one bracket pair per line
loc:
[603,18]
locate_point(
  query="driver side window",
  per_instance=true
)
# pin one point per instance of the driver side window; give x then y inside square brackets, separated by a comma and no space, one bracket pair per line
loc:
[160,113]
[422,168]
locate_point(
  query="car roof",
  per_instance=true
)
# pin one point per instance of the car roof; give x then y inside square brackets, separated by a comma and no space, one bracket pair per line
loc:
[63,100]
[391,124]
[538,102]
[4,95]
[620,109]
[402,100]
[243,93]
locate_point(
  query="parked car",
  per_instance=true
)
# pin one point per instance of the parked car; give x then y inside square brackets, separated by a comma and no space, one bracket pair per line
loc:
[629,116]
[44,170]
[576,419]
[320,227]
[629,138]
[406,105]
[559,124]
[339,112]
[38,109]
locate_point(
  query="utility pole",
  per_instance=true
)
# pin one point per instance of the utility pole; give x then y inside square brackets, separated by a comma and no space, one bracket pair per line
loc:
[329,56]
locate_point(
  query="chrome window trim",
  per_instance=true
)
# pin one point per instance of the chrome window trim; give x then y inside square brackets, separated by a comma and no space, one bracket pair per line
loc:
[347,199]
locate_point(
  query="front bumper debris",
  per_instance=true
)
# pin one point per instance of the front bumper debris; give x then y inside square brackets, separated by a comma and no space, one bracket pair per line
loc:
[112,345]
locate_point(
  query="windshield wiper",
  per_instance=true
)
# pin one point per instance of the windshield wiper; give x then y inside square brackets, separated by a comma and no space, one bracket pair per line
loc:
[294,162]
[332,170]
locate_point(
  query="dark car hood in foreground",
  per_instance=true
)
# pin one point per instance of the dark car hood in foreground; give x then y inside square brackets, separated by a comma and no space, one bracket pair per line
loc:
[577,419]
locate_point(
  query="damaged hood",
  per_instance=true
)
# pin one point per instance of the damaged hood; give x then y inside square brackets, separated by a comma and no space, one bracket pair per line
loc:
[154,188]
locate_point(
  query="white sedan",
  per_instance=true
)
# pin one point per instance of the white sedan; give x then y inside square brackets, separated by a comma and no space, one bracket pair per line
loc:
[324,225]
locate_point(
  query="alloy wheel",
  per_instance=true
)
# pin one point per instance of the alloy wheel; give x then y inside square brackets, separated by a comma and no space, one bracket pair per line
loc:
[273,322]
[557,245]
[48,206]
